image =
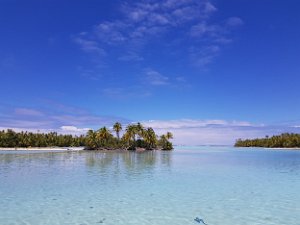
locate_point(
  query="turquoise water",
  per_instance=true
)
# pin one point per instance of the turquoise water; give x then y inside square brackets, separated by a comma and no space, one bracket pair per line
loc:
[223,186]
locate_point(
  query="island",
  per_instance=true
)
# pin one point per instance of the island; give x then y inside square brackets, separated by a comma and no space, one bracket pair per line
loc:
[285,140]
[135,137]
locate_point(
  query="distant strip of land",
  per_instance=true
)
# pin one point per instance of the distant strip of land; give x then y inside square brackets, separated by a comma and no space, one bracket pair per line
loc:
[282,141]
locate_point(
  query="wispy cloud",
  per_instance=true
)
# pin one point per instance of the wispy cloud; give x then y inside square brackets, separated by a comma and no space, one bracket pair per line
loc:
[155,78]
[203,29]
[204,55]
[89,46]
[141,23]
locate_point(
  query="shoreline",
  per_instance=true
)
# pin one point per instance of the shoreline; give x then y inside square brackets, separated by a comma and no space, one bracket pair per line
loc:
[43,149]
[281,148]
[74,149]
[266,148]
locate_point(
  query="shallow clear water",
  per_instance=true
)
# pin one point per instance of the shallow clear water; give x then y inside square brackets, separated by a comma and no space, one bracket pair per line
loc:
[223,186]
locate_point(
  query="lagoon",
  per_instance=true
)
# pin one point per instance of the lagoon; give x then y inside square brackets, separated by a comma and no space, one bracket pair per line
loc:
[221,185]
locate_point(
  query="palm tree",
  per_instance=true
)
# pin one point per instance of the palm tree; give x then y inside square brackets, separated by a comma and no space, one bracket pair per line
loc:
[131,132]
[91,141]
[149,137]
[169,135]
[139,129]
[163,137]
[130,136]
[103,134]
[165,143]
[117,128]
[126,137]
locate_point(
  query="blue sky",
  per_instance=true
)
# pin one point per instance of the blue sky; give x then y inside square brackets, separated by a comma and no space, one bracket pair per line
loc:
[209,71]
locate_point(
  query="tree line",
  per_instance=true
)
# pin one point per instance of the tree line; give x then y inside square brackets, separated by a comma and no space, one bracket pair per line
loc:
[12,139]
[285,140]
[135,136]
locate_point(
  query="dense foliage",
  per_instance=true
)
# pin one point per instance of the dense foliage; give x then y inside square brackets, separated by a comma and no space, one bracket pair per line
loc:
[10,138]
[135,137]
[285,140]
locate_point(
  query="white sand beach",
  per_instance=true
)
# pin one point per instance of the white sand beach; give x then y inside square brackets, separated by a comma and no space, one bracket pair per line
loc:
[283,148]
[44,149]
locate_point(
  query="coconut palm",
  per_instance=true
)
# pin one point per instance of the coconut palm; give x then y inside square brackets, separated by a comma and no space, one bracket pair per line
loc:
[131,132]
[91,139]
[149,137]
[165,143]
[130,135]
[163,138]
[169,135]
[139,129]
[117,128]
[103,135]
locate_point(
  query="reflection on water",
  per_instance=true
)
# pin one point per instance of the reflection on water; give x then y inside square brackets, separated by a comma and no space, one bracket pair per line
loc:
[19,157]
[131,162]
[219,185]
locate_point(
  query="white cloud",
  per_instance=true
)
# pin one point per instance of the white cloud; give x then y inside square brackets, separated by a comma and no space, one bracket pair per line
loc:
[145,18]
[213,132]
[190,123]
[144,22]
[209,7]
[213,136]
[149,14]
[73,129]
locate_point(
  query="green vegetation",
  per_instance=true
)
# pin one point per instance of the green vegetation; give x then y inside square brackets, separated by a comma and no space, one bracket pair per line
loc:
[164,141]
[11,139]
[285,140]
[117,128]
[135,137]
